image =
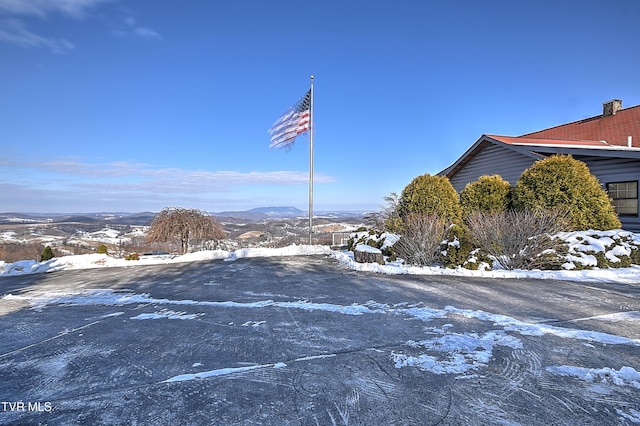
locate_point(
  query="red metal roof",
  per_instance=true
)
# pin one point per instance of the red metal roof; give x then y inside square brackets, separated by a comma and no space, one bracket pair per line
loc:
[614,129]
[609,133]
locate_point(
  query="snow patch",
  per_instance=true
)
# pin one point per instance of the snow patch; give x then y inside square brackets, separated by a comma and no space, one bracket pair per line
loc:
[626,376]
[456,353]
[629,275]
[167,314]
[214,373]
[365,248]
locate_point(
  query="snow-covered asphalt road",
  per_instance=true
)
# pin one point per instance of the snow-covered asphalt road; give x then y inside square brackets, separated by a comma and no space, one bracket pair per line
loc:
[303,340]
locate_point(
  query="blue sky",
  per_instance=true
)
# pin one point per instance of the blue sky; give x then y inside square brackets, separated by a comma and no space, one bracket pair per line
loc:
[114,105]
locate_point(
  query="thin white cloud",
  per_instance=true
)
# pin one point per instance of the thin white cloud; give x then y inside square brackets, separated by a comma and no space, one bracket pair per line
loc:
[42,8]
[208,178]
[130,26]
[147,33]
[78,168]
[145,176]
[198,182]
[73,185]
[14,32]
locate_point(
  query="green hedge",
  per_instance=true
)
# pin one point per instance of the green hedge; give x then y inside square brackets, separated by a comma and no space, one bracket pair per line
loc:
[561,181]
[487,194]
[431,194]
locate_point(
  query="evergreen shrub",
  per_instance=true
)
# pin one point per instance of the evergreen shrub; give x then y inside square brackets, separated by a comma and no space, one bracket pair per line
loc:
[430,195]
[561,181]
[47,254]
[487,194]
[456,247]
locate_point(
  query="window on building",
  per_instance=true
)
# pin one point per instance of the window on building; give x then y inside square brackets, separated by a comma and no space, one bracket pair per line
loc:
[625,197]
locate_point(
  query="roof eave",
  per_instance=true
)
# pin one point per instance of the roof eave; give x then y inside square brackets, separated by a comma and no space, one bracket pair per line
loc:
[586,151]
[475,149]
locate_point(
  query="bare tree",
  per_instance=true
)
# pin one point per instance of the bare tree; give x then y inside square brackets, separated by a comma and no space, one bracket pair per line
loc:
[187,226]
[387,218]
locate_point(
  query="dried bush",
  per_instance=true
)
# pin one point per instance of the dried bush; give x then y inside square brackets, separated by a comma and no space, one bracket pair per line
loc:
[14,252]
[420,238]
[520,239]
[139,244]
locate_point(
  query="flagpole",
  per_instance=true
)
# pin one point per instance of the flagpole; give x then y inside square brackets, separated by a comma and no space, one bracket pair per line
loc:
[311,164]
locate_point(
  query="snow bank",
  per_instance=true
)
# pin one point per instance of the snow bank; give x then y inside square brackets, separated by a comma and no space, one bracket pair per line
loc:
[86,261]
[613,244]
[581,262]
[626,376]
[629,275]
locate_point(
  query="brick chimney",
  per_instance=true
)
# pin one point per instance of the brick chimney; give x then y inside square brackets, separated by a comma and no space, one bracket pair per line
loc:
[611,107]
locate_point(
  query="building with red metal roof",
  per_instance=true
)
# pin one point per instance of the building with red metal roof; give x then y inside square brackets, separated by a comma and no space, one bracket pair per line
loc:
[608,143]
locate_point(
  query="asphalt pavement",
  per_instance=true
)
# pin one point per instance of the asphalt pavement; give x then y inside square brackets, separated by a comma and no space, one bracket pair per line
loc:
[303,340]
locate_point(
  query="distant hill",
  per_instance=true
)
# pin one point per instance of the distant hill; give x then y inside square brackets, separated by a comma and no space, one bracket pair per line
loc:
[279,211]
[143,218]
[77,218]
[11,218]
[262,213]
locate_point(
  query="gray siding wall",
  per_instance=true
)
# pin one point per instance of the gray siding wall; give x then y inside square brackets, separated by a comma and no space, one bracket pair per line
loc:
[609,170]
[493,160]
[497,160]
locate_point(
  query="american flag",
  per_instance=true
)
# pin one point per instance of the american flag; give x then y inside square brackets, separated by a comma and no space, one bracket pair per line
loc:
[296,120]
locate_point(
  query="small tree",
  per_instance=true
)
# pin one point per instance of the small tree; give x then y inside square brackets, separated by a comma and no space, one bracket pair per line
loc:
[562,181]
[487,194]
[47,254]
[102,249]
[387,217]
[184,226]
[431,195]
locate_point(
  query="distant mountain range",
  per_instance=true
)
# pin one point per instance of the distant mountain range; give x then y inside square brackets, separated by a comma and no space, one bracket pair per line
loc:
[278,211]
[272,213]
[122,218]
[263,213]
[144,218]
